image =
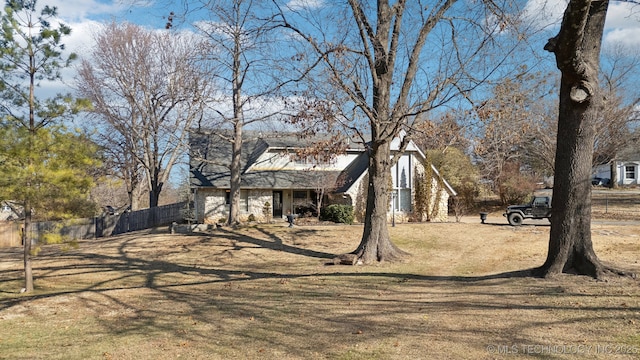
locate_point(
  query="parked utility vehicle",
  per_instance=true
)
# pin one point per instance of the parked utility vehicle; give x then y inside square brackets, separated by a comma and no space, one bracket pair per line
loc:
[538,208]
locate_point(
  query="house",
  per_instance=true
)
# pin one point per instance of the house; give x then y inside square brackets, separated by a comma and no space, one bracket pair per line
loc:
[10,211]
[274,180]
[625,169]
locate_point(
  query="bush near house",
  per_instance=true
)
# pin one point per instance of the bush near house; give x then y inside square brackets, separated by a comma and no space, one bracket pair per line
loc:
[337,213]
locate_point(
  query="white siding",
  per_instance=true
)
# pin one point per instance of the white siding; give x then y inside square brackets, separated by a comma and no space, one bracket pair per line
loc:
[282,160]
[628,173]
[211,205]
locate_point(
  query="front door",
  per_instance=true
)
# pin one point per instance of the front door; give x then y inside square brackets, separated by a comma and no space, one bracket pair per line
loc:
[277,204]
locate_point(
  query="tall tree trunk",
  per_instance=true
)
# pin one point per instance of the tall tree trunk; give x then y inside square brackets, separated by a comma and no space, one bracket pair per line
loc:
[577,51]
[238,123]
[570,247]
[376,244]
[156,189]
[235,169]
[26,232]
[26,241]
[613,170]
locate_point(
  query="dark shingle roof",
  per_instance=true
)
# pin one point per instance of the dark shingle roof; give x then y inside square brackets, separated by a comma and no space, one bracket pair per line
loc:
[630,153]
[210,156]
[353,172]
[288,179]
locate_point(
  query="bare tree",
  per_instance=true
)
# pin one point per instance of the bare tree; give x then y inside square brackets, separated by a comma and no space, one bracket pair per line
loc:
[540,142]
[614,124]
[449,130]
[120,162]
[506,123]
[147,89]
[619,115]
[242,54]
[379,71]
[577,53]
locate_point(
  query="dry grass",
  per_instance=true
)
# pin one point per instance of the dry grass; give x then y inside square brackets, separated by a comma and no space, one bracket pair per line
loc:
[266,292]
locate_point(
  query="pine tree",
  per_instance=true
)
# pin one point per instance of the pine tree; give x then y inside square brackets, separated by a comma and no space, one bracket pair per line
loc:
[44,165]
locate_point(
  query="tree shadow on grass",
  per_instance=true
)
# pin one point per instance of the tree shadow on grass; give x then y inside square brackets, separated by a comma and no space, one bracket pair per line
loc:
[276,242]
[359,304]
[525,225]
[133,266]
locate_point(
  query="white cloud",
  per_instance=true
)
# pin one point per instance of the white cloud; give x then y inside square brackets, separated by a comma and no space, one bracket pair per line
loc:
[629,37]
[623,25]
[623,16]
[85,17]
[81,39]
[544,14]
[80,10]
[297,5]
[623,19]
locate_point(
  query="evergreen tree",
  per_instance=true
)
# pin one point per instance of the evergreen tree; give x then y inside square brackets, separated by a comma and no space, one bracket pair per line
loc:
[44,165]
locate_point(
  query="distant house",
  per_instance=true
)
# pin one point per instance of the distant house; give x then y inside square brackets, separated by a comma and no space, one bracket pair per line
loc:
[9,211]
[625,169]
[274,180]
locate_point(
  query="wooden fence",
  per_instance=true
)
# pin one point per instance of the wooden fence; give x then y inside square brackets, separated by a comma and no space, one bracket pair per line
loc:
[90,228]
[141,219]
[10,234]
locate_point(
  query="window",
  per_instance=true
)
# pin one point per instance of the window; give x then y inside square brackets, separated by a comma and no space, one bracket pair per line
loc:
[401,175]
[319,160]
[630,172]
[244,200]
[301,201]
[300,195]
[300,160]
[405,200]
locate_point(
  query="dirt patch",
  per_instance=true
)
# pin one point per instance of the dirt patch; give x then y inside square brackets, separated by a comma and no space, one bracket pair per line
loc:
[266,292]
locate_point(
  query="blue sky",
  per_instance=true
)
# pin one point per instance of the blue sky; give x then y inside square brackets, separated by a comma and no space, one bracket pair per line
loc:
[623,22]
[84,17]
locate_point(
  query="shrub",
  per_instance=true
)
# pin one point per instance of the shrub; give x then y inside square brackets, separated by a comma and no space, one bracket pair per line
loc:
[360,208]
[515,187]
[465,200]
[251,217]
[516,191]
[337,213]
[266,211]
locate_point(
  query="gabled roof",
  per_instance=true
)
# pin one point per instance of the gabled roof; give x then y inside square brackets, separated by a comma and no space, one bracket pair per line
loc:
[10,211]
[360,165]
[353,172]
[631,153]
[210,154]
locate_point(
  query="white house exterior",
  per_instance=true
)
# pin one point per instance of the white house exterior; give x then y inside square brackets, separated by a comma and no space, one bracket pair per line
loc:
[10,212]
[274,181]
[626,172]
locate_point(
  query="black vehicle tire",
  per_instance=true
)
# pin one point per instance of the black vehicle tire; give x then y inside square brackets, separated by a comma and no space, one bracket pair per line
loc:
[515,219]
